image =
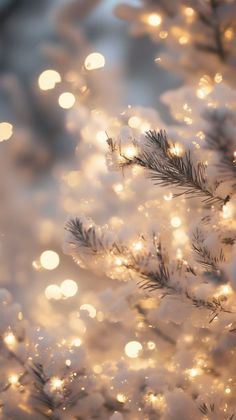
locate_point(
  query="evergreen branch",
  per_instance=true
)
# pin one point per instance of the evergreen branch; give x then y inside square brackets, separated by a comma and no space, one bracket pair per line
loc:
[220,140]
[204,257]
[210,18]
[167,169]
[86,238]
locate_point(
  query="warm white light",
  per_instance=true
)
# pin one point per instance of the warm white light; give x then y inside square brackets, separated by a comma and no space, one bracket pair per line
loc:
[76,342]
[137,245]
[176,150]
[48,79]
[129,152]
[218,78]
[101,136]
[53,291]
[168,197]
[227,390]
[94,61]
[69,288]
[229,34]
[9,339]
[183,39]
[56,383]
[118,188]
[13,379]
[121,398]
[175,222]
[154,19]
[66,100]
[188,11]
[89,308]
[49,260]
[133,349]
[6,130]
[227,211]
[151,345]
[68,362]
[134,122]
[194,372]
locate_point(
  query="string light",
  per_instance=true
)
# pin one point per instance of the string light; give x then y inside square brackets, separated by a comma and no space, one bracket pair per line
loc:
[189,12]
[53,291]
[227,390]
[176,149]
[121,398]
[133,349]
[129,152]
[118,188]
[175,222]
[154,20]
[218,78]
[76,342]
[69,288]
[13,379]
[48,79]
[49,260]
[89,308]
[66,100]
[9,339]
[56,383]
[94,61]
[137,246]
[134,122]
[6,130]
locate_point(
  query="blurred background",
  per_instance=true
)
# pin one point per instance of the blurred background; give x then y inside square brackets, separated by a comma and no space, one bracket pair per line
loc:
[46,87]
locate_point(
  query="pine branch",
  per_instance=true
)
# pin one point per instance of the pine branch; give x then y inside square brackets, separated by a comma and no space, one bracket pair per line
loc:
[204,256]
[210,18]
[220,140]
[167,169]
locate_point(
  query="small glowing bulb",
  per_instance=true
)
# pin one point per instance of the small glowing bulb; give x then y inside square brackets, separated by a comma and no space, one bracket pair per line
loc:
[176,150]
[129,152]
[49,260]
[69,288]
[118,261]
[89,308]
[76,342]
[48,79]
[194,372]
[94,61]
[163,35]
[137,245]
[154,19]
[56,383]
[183,39]
[134,122]
[121,398]
[175,222]
[168,197]
[6,130]
[188,11]
[229,34]
[13,379]
[179,254]
[101,136]
[118,188]
[53,291]
[9,339]
[227,390]
[227,211]
[68,362]
[151,345]
[218,78]
[133,349]
[66,100]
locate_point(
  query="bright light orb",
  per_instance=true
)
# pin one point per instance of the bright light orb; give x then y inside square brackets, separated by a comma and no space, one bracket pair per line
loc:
[66,100]
[13,379]
[6,130]
[133,349]
[48,79]
[9,339]
[56,383]
[89,308]
[69,288]
[76,342]
[154,20]
[134,122]
[175,222]
[94,61]
[53,291]
[49,260]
